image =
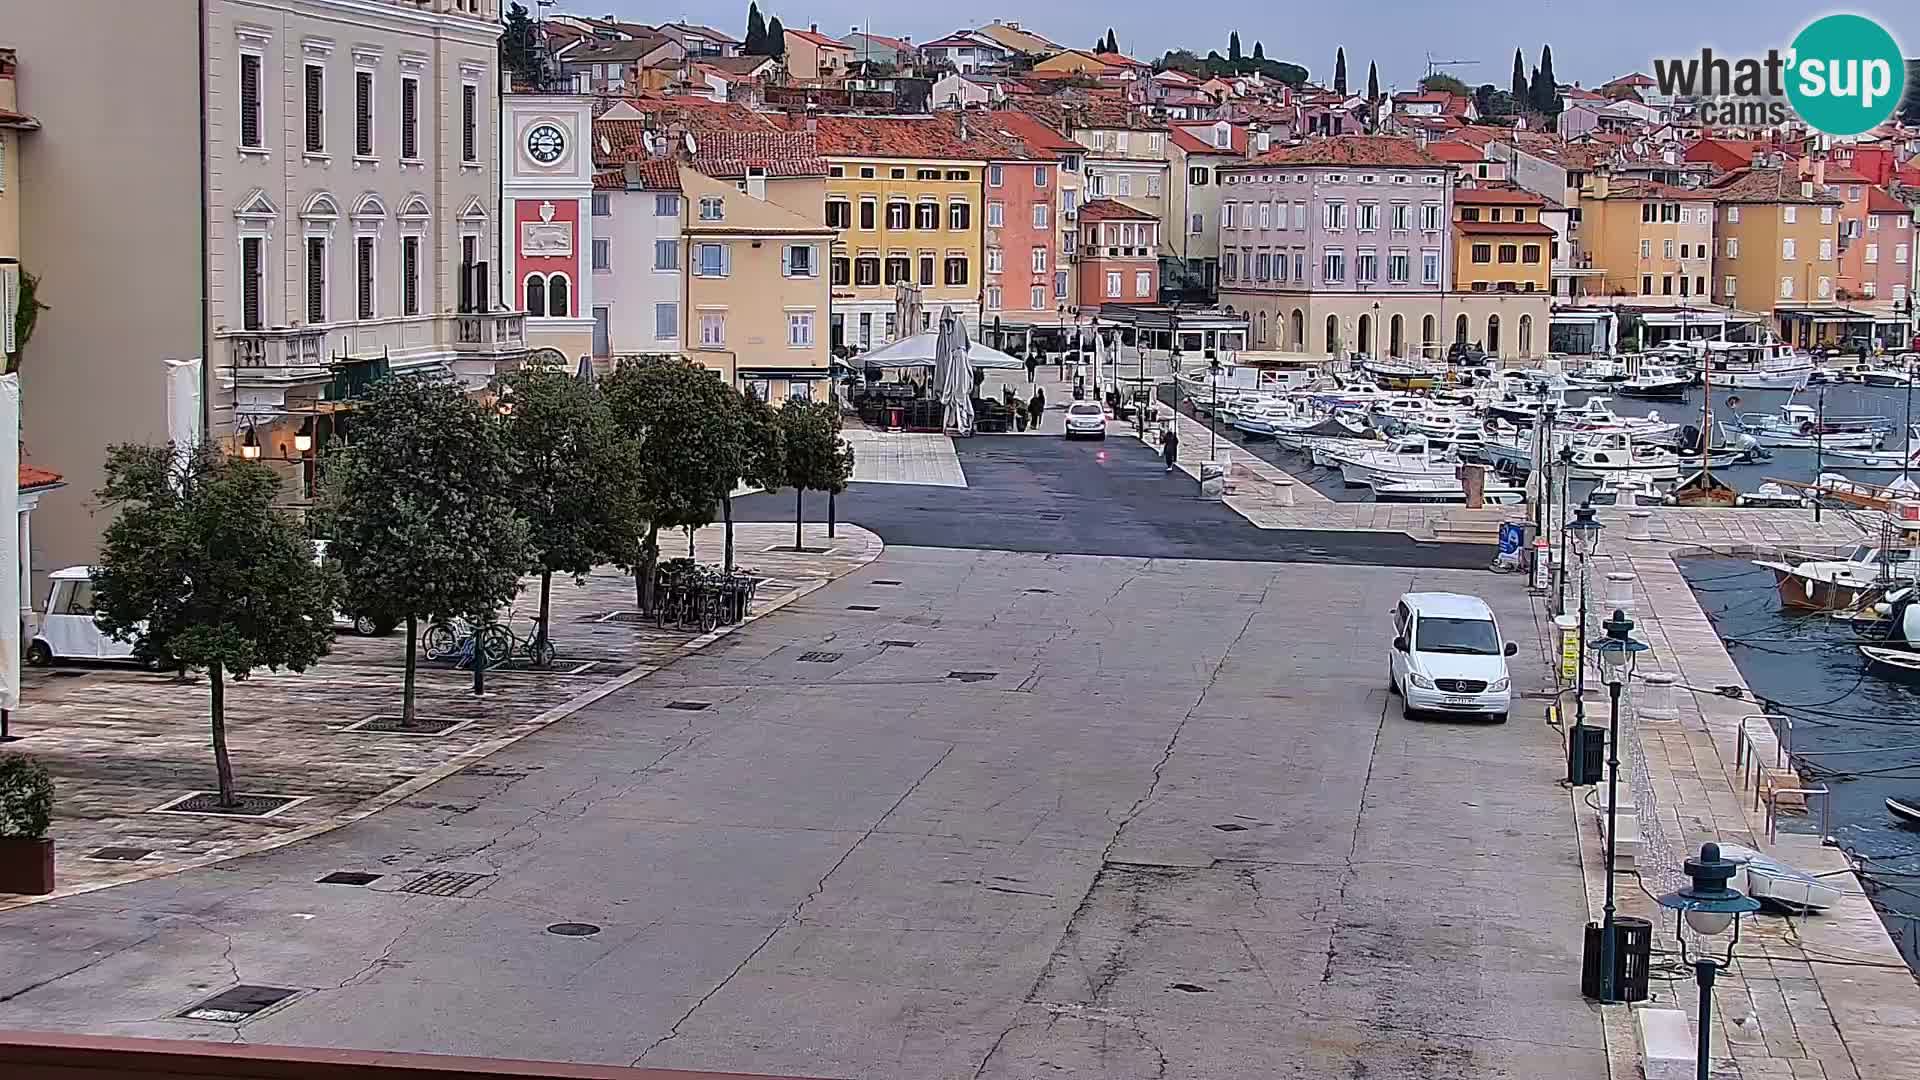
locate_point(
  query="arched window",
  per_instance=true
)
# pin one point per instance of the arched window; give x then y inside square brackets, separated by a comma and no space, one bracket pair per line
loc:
[1299,339]
[536,294]
[1460,330]
[557,297]
[1396,336]
[1333,335]
[1526,335]
[1429,333]
[1493,335]
[1366,335]
[1264,324]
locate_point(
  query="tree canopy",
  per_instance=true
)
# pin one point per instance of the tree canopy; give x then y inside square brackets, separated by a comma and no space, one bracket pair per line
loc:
[1340,71]
[815,456]
[1442,83]
[1519,88]
[1544,94]
[1213,64]
[1233,46]
[776,38]
[756,43]
[520,49]
[199,568]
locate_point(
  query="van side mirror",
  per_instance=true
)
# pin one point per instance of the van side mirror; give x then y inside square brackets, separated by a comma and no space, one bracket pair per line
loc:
[1400,644]
[1513,647]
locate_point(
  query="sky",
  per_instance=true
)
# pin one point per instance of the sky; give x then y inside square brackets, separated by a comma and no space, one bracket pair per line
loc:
[1593,40]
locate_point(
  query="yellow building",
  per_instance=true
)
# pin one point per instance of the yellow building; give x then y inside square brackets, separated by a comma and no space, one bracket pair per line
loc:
[12,124]
[905,196]
[1500,243]
[1649,239]
[757,299]
[1776,237]
[1073,62]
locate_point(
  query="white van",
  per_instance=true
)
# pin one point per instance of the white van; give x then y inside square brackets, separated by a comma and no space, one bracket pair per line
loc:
[67,631]
[1448,656]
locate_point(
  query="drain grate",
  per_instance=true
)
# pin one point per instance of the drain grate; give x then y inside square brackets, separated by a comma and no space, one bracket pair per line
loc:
[863,607]
[573,929]
[238,1004]
[688,706]
[890,644]
[349,877]
[400,725]
[972,676]
[820,657]
[1231,827]
[121,854]
[208,802]
[446,883]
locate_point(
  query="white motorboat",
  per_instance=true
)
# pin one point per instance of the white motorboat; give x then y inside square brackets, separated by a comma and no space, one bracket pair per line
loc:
[1767,364]
[1656,382]
[1447,489]
[1607,452]
[1404,457]
[1897,377]
[1598,373]
[1350,393]
[1902,460]
[1771,495]
[1259,419]
[1596,414]
[1626,489]
[1801,427]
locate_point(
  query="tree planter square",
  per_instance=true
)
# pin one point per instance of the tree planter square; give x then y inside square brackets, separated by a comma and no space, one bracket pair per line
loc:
[26,866]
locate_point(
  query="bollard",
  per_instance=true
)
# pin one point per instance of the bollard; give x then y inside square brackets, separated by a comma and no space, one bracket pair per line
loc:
[1283,492]
[1639,524]
[1656,700]
[1569,627]
[1620,590]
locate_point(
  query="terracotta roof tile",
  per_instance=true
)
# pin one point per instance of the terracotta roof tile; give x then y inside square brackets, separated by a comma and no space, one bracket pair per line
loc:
[33,476]
[1460,153]
[654,174]
[1510,228]
[1038,136]
[1755,185]
[1648,189]
[1879,201]
[816,38]
[1384,151]
[1194,143]
[1493,196]
[727,155]
[918,137]
[1112,210]
[1843,174]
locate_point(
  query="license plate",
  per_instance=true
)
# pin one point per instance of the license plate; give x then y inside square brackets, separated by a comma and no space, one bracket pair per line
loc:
[1460,699]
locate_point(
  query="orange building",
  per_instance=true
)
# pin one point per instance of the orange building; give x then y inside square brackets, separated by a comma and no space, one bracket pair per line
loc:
[1119,255]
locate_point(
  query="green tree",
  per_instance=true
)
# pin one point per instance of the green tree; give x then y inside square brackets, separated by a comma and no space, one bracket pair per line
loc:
[758,444]
[776,38]
[199,569]
[679,413]
[1259,52]
[1233,46]
[1373,96]
[1519,88]
[1112,43]
[756,43]
[1545,93]
[420,509]
[571,474]
[816,458]
[1442,83]
[26,315]
[520,48]
[1340,71]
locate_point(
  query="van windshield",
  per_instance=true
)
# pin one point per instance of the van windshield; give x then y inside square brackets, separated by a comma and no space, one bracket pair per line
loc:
[1474,636]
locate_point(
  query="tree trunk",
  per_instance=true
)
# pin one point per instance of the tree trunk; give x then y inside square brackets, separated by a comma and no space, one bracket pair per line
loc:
[546,593]
[830,514]
[726,515]
[798,510]
[690,541]
[222,765]
[643,581]
[406,685]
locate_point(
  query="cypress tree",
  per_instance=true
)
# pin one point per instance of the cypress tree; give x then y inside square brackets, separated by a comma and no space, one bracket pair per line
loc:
[776,38]
[1519,87]
[1113,43]
[1546,91]
[1258,52]
[756,44]
[1373,96]
[1233,46]
[1340,71]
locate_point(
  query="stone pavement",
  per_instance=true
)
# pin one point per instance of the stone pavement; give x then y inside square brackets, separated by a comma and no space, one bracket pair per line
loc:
[122,743]
[1824,997]
[903,457]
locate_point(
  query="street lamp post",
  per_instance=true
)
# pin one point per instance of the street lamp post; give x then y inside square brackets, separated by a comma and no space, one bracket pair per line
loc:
[1584,534]
[1213,423]
[1617,654]
[1566,475]
[1709,906]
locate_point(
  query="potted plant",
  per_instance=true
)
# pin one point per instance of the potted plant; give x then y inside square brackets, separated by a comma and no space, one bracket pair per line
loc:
[26,809]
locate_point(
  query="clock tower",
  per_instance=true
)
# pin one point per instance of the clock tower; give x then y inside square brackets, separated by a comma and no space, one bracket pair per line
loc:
[546,166]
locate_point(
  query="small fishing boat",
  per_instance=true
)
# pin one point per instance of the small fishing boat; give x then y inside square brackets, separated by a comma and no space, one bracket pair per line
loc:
[1626,489]
[1446,489]
[1656,382]
[1887,376]
[1800,427]
[1777,885]
[1608,452]
[1905,811]
[1703,489]
[1829,583]
[1771,495]
[1405,457]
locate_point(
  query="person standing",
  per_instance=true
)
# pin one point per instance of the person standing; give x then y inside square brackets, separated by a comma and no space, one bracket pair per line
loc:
[1169,446]
[1035,407]
[1033,365]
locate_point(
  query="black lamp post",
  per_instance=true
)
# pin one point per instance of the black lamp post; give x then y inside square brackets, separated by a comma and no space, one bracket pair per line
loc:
[1617,653]
[1584,534]
[1566,476]
[1213,424]
[1709,906]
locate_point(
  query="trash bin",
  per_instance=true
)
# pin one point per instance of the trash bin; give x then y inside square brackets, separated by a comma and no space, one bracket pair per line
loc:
[1213,479]
[1632,959]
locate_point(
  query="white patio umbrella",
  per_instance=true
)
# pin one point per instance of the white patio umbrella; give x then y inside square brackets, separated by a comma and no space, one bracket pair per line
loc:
[920,350]
[953,375]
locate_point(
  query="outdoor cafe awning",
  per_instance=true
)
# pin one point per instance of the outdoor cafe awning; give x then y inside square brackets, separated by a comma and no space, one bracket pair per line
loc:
[917,351]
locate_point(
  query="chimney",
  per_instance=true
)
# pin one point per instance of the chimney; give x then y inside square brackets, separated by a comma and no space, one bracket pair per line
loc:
[757,182]
[813,28]
[1820,171]
[813,125]
[1806,189]
[632,175]
[962,114]
[1599,186]
[1265,141]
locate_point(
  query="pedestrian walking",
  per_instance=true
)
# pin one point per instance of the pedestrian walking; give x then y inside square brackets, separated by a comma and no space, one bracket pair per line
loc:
[1033,365]
[1169,446]
[1035,407]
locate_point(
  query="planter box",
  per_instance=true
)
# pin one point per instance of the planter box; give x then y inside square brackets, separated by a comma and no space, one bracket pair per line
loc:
[26,866]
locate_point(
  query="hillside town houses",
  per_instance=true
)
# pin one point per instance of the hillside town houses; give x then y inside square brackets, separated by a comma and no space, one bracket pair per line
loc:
[382,192]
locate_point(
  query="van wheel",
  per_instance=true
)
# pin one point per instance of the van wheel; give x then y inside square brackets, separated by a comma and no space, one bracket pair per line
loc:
[1393,687]
[1407,712]
[39,655]
[1499,718]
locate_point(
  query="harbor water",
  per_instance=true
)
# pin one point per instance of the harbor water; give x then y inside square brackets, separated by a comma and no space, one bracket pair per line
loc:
[1853,731]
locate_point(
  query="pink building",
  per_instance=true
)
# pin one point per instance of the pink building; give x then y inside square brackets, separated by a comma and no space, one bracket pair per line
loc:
[1119,255]
[1876,263]
[1022,253]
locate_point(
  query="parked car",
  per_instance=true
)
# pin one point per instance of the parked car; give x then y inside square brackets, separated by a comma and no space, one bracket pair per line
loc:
[67,630]
[1448,656]
[1086,418]
[366,624]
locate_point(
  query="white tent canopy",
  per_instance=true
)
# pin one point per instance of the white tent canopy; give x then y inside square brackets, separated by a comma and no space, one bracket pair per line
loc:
[919,350]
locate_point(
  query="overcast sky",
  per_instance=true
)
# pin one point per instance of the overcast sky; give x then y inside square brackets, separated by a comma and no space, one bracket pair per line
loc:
[1593,40]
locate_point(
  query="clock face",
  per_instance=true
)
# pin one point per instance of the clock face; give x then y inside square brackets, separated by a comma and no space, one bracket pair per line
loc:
[545,144]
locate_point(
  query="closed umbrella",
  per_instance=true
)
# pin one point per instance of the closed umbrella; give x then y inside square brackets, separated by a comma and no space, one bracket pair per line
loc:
[906,310]
[953,375]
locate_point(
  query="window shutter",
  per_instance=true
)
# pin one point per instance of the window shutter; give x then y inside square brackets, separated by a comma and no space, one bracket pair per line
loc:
[250,282]
[469,102]
[409,117]
[249,100]
[316,280]
[363,113]
[365,246]
[410,275]
[9,304]
[316,109]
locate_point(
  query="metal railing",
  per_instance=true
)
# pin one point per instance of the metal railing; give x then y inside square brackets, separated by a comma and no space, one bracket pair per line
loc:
[1826,811]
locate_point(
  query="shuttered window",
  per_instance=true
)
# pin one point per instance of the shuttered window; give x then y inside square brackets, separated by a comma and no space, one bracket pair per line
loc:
[316,109]
[252,266]
[249,99]
[363,270]
[410,275]
[316,280]
[363,113]
[469,119]
[410,118]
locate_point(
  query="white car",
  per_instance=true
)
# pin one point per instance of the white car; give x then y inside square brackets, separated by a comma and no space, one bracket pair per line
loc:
[1087,418]
[67,630]
[1448,656]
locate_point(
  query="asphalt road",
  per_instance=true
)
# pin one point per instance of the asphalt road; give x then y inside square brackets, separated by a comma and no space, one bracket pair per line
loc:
[1043,494]
[1170,825]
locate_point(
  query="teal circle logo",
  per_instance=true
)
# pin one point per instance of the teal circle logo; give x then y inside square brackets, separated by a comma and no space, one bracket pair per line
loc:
[1846,75]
